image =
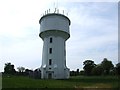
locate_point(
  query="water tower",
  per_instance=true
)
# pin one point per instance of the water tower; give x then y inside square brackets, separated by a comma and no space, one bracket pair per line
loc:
[54,31]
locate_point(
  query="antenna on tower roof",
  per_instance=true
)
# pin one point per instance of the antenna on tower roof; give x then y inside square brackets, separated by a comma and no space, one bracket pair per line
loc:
[63,11]
[55,6]
[49,10]
[45,12]
[57,10]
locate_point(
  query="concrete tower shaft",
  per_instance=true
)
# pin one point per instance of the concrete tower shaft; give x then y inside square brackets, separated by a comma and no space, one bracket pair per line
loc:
[54,31]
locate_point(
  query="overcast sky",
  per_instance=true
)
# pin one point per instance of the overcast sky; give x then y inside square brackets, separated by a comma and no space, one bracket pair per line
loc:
[93,32]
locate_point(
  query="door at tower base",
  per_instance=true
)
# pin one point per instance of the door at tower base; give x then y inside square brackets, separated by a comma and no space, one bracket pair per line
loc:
[56,73]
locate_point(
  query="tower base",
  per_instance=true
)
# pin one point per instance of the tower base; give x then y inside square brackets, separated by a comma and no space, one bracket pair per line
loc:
[55,73]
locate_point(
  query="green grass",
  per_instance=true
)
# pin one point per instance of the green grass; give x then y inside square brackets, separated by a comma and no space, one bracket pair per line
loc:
[0,81]
[73,82]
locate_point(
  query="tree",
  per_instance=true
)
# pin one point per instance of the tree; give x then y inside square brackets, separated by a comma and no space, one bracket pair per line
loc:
[27,71]
[77,71]
[37,73]
[118,68]
[9,68]
[82,72]
[97,70]
[73,73]
[21,69]
[107,66]
[88,66]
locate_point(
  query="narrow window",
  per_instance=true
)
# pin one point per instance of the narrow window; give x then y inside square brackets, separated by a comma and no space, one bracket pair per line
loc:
[50,40]
[50,61]
[50,50]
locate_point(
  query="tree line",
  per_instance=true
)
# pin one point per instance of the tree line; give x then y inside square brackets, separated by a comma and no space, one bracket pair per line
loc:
[9,70]
[106,67]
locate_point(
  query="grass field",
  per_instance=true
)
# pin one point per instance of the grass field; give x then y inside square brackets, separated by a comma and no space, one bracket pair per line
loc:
[74,82]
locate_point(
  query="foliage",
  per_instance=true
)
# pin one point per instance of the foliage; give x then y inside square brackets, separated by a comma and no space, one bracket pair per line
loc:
[74,73]
[88,66]
[77,71]
[27,71]
[97,70]
[104,68]
[82,72]
[118,68]
[9,68]
[21,69]
[107,66]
